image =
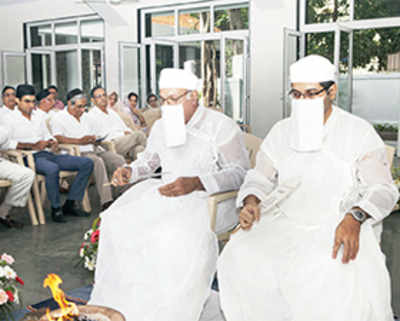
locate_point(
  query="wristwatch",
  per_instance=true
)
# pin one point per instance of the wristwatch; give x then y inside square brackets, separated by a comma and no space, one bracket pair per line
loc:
[358,215]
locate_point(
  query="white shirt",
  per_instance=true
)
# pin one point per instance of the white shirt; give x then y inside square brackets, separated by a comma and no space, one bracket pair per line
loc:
[110,124]
[64,124]
[6,111]
[23,130]
[44,115]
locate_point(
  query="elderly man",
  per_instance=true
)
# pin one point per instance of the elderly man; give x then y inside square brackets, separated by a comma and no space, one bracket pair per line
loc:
[70,127]
[307,250]
[45,105]
[29,131]
[9,103]
[157,235]
[21,178]
[105,122]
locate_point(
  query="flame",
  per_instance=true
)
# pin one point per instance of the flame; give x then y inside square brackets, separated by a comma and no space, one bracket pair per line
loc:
[68,309]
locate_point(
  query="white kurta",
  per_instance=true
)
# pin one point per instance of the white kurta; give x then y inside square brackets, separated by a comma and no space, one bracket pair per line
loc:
[157,255]
[282,268]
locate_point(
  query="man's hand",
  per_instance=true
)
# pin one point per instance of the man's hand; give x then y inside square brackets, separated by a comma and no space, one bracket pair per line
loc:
[41,144]
[348,234]
[53,144]
[182,186]
[89,139]
[121,176]
[127,132]
[250,212]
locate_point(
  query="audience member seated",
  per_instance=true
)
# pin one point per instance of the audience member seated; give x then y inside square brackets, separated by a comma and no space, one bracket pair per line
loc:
[29,132]
[152,112]
[59,105]
[21,178]
[70,127]
[8,97]
[106,123]
[45,105]
[118,107]
[152,102]
[134,112]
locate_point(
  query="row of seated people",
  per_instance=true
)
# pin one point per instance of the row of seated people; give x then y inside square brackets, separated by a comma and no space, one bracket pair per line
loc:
[37,122]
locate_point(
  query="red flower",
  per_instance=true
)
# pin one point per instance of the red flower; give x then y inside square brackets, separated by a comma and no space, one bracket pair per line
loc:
[95,236]
[10,296]
[19,280]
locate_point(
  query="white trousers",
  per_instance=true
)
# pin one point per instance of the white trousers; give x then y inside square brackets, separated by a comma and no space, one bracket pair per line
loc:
[21,178]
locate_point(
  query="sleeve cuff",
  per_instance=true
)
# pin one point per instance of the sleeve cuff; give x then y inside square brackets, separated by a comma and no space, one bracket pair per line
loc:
[246,192]
[12,144]
[209,184]
[371,210]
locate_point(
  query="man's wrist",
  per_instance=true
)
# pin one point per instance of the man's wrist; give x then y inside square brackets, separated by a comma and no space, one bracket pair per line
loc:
[198,184]
[252,200]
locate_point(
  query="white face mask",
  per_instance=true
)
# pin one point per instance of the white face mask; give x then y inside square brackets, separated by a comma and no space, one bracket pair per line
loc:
[174,125]
[307,124]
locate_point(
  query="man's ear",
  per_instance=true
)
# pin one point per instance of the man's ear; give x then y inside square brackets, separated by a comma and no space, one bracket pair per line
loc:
[332,92]
[194,95]
[92,100]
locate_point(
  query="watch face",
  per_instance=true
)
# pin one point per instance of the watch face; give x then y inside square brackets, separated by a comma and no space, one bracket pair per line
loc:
[359,215]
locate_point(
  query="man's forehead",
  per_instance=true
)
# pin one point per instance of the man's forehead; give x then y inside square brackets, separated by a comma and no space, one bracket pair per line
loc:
[172,91]
[9,90]
[99,90]
[30,97]
[306,85]
[81,101]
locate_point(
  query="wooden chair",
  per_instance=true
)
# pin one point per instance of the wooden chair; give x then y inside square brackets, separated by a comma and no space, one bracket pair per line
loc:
[253,144]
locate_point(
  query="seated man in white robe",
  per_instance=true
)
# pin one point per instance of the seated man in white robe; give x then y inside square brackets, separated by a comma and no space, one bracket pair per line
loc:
[307,250]
[157,254]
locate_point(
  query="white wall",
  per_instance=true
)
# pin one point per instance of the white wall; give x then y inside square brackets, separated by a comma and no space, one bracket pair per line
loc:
[267,20]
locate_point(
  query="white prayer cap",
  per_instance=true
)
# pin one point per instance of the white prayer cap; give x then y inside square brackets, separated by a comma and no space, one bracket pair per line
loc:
[178,78]
[312,69]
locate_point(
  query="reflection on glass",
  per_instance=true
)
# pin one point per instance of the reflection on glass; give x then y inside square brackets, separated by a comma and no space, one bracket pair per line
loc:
[323,11]
[41,74]
[92,31]
[164,59]
[41,36]
[366,9]
[322,43]
[235,17]
[91,70]
[131,70]
[203,59]
[344,94]
[234,95]
[67,72]
[194,21]
[160,24]
[66,33]
[376,75]
[15,70]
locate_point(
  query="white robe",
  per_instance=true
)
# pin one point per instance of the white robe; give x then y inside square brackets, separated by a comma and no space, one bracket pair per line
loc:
[282,269]
[157,255]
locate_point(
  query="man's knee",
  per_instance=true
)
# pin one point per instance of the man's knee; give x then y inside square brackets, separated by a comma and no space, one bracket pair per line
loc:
[50,170]
[86,164]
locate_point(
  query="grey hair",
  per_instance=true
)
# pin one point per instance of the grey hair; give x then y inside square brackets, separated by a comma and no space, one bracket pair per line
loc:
[75,98]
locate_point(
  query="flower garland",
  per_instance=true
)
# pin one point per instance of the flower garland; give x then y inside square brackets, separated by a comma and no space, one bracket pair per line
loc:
[88,249]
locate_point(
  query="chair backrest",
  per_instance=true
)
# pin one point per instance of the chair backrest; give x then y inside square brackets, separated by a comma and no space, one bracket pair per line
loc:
[253,144]
[390,153]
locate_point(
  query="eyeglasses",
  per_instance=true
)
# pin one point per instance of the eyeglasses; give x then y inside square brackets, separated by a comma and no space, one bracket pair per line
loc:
[9,95]
[173,99]
[29,101]
[100,96]
[308,94]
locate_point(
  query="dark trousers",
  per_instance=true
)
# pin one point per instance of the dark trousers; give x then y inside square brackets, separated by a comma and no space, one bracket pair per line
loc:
[50,165]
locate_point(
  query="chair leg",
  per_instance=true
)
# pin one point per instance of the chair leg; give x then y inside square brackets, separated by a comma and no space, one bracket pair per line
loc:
[86,202]
[38,201]
[31,209]
[43,192]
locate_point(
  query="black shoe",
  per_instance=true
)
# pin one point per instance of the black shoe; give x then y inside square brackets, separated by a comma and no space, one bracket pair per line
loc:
[10,223]
[106,205]
[69,208]
[57,215]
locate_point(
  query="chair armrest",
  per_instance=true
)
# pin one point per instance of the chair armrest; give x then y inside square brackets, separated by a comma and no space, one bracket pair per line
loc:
[109,145]
[17,155]
[213,202]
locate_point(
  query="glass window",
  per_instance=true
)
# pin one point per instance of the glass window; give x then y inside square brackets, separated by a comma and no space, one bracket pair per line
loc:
[324,11]
[14,70]
[131,71]
[91,70]
[41,71]
[321,43]
[66,33]
[92,31]
[67,72]
[235,17]
[41,36]
[194,21]
[160,24]
[367,9]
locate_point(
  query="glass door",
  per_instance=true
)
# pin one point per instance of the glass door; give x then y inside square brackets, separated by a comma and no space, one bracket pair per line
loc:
[293,50]
[13,68]
[344,66]
[39,67]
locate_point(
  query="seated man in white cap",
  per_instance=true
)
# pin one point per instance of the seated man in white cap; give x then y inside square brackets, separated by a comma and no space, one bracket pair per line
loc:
[157,254]
[311,255]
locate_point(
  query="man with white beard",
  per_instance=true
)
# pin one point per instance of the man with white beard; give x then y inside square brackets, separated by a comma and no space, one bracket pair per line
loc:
[157,254]
[312,255]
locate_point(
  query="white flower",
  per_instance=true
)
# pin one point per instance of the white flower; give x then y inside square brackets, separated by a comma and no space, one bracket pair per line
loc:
[7,258]
[16,296]
[88,234]
[82,252]
[2,272]
[3,297]
[9,273]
